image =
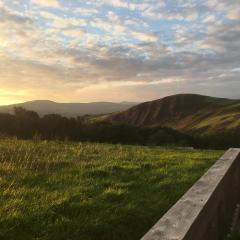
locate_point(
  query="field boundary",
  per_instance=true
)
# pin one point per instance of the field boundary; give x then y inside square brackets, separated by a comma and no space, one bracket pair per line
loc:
[205,211]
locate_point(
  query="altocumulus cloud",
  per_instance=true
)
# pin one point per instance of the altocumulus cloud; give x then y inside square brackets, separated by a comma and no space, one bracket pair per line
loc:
[118,50]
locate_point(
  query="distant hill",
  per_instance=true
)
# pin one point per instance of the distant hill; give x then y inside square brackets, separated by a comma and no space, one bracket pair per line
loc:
[43,107]
[187,112]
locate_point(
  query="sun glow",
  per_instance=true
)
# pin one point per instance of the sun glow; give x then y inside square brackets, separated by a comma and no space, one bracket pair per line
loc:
[8,101]
[9,97]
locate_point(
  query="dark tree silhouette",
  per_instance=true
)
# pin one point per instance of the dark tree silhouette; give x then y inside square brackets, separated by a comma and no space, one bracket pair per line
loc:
[27,124]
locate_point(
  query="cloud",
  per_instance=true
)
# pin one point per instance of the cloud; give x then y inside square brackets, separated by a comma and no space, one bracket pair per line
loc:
[231,8]
[74,32]
[111,25]
[47,3]
[209,19]
[63,22]
[234,13]
[224,37]
[130,5]
[117,3]
[145,37]
[138,50]
[181,11]
[86,11]
[6,15]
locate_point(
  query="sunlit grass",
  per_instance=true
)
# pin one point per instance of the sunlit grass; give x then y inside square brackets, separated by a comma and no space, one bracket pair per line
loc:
[57,190]
[229,121]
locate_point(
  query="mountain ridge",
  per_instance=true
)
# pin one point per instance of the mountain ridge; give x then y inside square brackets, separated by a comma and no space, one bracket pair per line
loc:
[186,112]
[43,107]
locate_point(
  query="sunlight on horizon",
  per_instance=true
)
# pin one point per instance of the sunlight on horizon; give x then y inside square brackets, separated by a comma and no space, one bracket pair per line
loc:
[10,97]
[107,50]
[7,101]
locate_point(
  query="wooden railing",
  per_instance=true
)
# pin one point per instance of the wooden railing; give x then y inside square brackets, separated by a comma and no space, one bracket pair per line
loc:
[205,212]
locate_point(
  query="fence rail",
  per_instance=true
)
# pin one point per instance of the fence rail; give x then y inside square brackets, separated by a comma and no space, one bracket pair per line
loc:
[206,210]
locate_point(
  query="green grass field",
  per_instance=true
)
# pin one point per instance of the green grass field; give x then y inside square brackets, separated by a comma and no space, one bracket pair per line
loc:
[86,191]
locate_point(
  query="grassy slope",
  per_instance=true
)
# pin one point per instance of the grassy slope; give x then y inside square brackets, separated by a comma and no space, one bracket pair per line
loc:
[219,121]
[187,112]
[59,191]
[225,117]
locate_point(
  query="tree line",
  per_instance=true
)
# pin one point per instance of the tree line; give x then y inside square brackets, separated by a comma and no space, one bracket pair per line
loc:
[25,124]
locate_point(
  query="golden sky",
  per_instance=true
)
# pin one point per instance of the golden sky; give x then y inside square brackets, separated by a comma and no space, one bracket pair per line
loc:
[117,50]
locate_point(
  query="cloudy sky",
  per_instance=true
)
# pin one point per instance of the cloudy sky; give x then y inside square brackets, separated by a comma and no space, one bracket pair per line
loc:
[118,50]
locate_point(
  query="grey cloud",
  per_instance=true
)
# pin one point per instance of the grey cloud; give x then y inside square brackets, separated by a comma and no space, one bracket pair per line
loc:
[181,10]
[8,16]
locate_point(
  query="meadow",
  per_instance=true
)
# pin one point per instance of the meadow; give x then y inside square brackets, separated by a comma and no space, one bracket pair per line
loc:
[66,191]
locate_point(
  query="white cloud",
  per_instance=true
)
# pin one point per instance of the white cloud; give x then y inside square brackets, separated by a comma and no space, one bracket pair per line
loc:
[117,3]
[107,25]
[182,11]
[146,37]
[209,19]
[73,32]
[86,11]
[47,3]
[234,13]
[112,16]
[59,22]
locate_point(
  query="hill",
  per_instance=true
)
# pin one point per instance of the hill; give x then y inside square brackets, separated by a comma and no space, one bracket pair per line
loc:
[43,107]
[187,112]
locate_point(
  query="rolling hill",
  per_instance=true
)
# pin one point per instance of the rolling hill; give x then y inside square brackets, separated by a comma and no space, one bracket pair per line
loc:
[43,107]
[186,112]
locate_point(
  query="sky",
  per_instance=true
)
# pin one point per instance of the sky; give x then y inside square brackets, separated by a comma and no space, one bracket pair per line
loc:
[118,50]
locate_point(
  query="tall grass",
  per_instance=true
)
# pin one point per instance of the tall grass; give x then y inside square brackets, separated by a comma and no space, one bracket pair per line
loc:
[61,190]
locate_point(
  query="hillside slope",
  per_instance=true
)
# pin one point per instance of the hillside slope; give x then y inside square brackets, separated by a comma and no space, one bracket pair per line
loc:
[189,112]
[43,107]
